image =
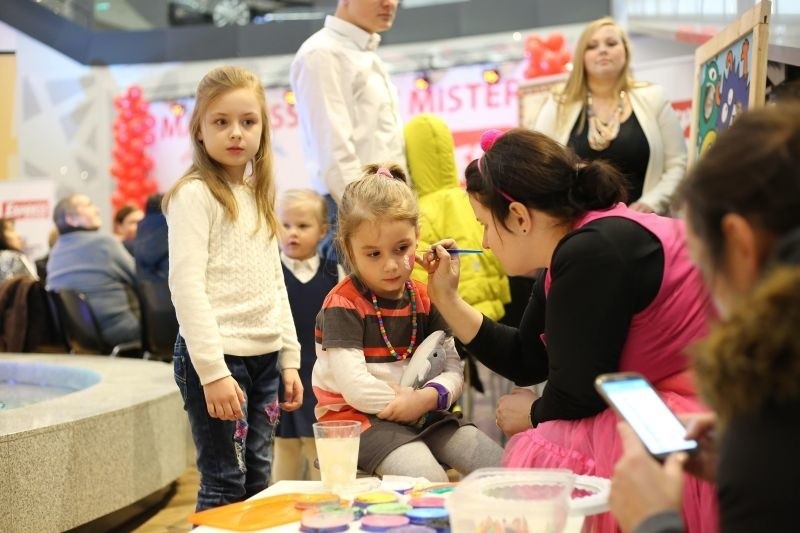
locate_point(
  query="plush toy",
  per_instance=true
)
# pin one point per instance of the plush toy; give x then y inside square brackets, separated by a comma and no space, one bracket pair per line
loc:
[426,363]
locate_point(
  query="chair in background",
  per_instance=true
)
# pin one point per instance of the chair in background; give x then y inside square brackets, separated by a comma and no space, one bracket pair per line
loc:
[81,330]
[159,323]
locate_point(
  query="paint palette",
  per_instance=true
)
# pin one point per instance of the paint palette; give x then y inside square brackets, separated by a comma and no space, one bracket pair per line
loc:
[263,513]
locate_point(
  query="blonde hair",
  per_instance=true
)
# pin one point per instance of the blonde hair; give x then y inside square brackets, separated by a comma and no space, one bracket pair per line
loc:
[576,88]
[374,198]
[752,360]
[216,83]
[294,197]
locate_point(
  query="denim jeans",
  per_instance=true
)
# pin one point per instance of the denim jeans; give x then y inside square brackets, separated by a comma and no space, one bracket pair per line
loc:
[234,458]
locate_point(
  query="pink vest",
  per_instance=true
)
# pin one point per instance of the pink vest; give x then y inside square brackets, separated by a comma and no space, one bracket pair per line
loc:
[678,315]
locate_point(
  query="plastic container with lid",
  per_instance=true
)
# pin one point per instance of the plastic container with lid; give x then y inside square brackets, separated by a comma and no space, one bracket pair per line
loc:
[512,500]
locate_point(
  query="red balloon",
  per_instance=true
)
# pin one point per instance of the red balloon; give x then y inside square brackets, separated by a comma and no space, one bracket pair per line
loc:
[116,169]
[533,41]
[564,57]
[136,145]
[554,41]
[548,63]
[532,71]
[150,121]
[134,93]
[136,173]
[126,115]
[142,106]
[118,199]
[130,188]
[146,163]
[136,127]
[149,138]
[534,50]
[122,138]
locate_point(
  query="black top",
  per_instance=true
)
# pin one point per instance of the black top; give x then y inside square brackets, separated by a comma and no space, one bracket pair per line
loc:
[602,274]
[758,472]
[629,152]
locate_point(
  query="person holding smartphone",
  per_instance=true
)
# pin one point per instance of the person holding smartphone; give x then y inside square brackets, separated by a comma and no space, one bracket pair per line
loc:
[618,293]
[742,208]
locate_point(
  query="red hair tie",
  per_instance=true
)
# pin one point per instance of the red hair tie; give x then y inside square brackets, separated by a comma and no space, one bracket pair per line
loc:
[488,138]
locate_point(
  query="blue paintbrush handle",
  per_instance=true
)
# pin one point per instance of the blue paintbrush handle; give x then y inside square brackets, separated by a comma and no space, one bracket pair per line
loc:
[460,251]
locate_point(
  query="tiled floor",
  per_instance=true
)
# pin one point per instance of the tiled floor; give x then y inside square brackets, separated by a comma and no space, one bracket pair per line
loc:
[170,517]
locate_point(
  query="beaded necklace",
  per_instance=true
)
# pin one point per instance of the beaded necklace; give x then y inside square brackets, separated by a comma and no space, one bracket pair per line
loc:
[378,313]
[601,133]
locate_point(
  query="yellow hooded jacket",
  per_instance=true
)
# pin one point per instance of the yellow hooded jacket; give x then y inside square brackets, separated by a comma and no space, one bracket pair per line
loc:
[445,213]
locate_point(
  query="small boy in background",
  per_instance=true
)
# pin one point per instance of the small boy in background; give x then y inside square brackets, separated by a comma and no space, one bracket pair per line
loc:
[303,216]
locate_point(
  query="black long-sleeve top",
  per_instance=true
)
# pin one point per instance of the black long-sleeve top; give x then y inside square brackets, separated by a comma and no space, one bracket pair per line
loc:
[602,274]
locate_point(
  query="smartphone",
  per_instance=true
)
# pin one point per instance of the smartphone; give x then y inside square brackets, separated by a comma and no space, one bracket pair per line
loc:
[635,400]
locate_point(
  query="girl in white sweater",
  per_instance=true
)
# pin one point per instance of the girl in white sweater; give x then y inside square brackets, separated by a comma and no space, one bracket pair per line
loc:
[227,286]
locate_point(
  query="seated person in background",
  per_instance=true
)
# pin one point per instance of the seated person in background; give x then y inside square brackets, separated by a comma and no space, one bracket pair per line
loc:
[126,220]
[12,260]
[742,209]
[150,247]
[303,215]
[41,263]
[367,331]
[86,260]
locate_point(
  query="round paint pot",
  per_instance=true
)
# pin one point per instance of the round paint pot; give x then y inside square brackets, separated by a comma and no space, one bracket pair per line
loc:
[421,515]
[370,498]
[426,501]
[326,521]
[388,508]
[412,528]
[383,522]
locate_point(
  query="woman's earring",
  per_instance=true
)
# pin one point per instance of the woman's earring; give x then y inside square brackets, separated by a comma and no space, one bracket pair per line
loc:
[248,169]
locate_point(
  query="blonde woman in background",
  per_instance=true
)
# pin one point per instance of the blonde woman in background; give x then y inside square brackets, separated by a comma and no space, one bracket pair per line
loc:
[601,112]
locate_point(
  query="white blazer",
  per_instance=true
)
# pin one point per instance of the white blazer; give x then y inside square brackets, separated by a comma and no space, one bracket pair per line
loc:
[668,154]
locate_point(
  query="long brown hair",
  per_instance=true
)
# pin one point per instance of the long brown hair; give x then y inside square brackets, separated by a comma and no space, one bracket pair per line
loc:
[542,174]
[216,83]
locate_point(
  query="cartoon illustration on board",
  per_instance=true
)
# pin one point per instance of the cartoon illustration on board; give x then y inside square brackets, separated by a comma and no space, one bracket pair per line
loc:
[724,92]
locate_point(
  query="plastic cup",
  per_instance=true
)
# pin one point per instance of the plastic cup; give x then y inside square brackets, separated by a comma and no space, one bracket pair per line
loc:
[337,450]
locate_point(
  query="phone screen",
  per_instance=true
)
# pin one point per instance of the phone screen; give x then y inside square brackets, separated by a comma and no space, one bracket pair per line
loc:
[658,427]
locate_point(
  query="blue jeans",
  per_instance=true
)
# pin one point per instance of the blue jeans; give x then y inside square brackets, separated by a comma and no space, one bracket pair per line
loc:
[234,458]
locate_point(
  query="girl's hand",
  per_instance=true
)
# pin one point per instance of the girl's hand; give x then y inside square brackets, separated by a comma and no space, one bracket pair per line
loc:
[224,399]
[409,405]
[640,486]
[293,390]
[443,272]
[513,413]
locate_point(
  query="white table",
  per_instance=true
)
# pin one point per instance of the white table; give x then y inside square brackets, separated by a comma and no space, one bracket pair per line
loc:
[283,487]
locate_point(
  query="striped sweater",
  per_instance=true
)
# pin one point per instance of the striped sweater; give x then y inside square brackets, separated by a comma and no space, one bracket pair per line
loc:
[354,366]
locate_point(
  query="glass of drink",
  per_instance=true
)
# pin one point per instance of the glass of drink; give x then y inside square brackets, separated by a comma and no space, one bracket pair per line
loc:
[337,450]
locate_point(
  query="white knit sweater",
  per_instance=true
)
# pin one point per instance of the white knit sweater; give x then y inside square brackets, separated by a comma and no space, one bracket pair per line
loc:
[226,282]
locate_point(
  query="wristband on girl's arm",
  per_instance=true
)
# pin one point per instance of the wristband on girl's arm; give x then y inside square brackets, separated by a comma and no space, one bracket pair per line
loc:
[442,401]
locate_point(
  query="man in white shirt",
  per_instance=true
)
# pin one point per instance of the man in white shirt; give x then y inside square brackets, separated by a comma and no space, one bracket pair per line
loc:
[346,103]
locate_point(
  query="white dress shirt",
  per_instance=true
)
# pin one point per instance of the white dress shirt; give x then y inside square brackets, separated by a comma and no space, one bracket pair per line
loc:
[305,269]
[346,105]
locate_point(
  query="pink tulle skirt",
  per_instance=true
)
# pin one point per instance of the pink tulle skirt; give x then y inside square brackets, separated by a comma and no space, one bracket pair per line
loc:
[591,446]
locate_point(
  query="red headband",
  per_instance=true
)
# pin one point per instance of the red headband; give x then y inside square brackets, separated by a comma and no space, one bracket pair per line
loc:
[488,138]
